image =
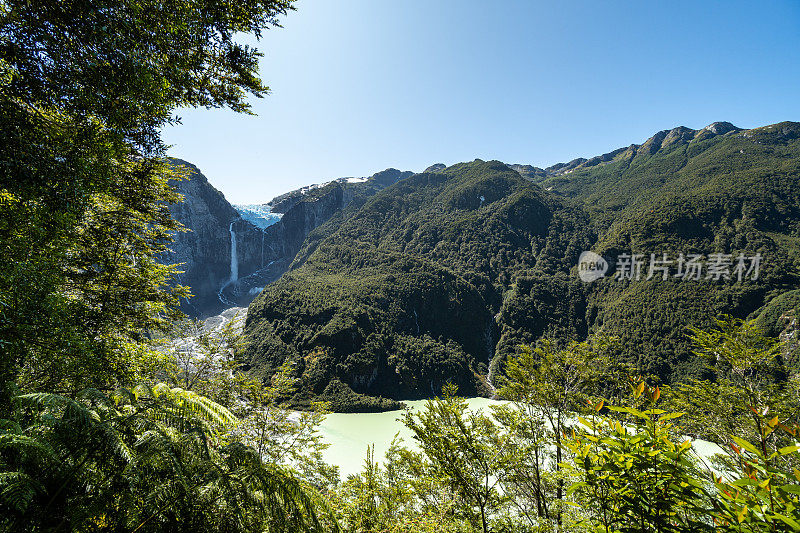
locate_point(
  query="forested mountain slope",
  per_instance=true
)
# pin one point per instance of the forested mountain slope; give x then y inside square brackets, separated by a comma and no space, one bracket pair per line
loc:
[262,254]
[447,271]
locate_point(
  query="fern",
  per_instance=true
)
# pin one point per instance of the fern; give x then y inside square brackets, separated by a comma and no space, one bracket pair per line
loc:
[17,490]
[142,459]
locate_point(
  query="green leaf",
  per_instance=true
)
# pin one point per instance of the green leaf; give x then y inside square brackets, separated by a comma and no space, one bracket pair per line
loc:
[786,450]
[575,486]
[670,416]
[789,521]
[793,489]
[746,445]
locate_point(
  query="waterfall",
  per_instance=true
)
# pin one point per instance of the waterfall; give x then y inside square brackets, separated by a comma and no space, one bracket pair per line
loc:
[234,259]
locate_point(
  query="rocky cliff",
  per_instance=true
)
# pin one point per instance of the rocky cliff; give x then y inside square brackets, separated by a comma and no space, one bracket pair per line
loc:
[204,250]
[219,279]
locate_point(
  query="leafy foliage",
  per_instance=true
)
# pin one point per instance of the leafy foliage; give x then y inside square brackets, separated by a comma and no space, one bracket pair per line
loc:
[146,459]
[84,91]
[634,476]
[625,465]
[465,449]
[201,359]
[85,88]
[761,495]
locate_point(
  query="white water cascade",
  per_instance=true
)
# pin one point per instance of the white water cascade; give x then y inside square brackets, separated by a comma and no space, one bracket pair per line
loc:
[234,259]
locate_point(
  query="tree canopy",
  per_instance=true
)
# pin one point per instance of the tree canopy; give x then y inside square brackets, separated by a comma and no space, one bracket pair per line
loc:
[84,89]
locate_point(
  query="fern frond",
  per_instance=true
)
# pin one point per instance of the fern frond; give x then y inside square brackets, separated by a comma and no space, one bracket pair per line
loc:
[197,405]
[151,454]
[70,411]
[25,445]
[17,490]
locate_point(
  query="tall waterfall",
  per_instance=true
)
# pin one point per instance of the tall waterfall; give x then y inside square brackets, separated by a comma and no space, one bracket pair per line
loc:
[234,259]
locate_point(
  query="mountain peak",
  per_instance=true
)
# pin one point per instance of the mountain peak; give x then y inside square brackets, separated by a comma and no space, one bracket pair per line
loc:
[721,128]
[661,139]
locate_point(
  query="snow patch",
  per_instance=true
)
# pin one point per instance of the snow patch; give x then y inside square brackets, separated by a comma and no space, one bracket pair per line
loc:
[259,215]
[308,188]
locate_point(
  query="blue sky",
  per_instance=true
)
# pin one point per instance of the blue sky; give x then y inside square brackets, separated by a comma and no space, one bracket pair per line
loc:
[362,85]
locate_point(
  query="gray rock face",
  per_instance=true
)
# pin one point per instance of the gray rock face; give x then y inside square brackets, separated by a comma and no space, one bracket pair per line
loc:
[529,172]
[721,128]
[262,255]
[205,249]
[436,167]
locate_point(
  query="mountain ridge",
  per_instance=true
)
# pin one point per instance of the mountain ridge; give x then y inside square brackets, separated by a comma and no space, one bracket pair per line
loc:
[505,250]
[262,254]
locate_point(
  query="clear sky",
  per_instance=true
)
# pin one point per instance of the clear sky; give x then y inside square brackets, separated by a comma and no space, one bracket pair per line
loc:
[362,85]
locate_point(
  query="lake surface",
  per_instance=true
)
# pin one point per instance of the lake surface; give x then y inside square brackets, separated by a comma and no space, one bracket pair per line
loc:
[349,435]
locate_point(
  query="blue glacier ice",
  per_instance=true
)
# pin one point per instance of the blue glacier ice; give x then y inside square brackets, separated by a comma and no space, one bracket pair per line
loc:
[260,215]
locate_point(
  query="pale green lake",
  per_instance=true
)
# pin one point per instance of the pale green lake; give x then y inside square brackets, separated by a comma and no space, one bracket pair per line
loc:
[349,435]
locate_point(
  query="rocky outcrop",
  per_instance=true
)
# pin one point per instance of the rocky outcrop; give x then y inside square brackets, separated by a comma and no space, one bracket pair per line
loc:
[436,167]
[351,188]
[662,140]
[530,172]
[219,280]
[204,251]
[265,254]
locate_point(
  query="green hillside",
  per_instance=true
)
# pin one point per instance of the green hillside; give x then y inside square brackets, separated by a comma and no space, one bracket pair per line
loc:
[445,273]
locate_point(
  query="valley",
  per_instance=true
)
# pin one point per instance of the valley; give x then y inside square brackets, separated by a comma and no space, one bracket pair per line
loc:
[477,339]
[383,289]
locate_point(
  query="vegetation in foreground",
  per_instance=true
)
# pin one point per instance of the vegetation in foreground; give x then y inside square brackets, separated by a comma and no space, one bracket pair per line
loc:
[103,429]
[92,438]
[582,450]
[580,446]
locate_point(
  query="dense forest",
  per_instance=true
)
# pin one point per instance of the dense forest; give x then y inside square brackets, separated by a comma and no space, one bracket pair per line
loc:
[446,273]
[118,414]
